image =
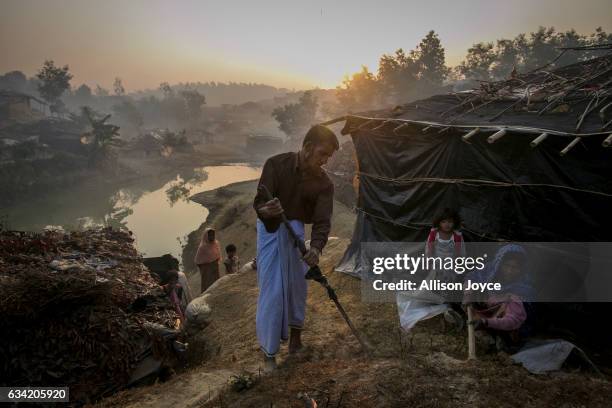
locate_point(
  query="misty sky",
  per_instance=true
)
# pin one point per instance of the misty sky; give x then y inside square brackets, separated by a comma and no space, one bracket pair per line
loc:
[282,43]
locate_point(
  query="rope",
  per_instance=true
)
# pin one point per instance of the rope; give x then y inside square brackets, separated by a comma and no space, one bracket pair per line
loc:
[478,182]
[422,226]
[483,127]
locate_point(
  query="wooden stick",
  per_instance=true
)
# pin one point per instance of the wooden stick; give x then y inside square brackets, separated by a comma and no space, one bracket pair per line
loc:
[381,125]
[496,136]
[473,109]
[332,121]
[584,114]
[400,127]
[506,109]
[535,142]
[366,123]
[569,146]
[590,108]
[444,129]
[608,141]
[471,335]
[571,89]
[471,133]
[425,129]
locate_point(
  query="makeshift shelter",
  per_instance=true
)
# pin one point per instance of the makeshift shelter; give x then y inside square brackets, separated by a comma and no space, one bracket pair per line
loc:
[525,159]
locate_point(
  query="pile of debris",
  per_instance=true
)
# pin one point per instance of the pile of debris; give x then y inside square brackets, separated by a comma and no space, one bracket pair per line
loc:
[77,310]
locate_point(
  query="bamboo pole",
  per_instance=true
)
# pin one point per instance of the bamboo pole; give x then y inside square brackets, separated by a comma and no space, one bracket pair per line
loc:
[332,121]
[471,133]
[569,146]
[608,141]
[425,129]
[366,123]
[400,127]
[381,125]
[535,142]
[444,129]
[496,136]
[471,334]
[514,129]
[497,115]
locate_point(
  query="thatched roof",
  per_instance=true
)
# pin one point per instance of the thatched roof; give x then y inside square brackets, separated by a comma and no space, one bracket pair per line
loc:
[574,102]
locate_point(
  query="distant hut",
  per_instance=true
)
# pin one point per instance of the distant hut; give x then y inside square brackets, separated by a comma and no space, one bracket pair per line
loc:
[20,107]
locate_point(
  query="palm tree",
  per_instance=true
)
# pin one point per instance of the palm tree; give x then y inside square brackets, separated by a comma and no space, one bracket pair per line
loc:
[102,137]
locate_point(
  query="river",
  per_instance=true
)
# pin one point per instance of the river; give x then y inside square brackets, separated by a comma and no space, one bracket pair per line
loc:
[159,217]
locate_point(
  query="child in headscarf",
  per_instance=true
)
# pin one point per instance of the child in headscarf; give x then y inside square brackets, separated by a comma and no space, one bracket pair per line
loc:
[208,258]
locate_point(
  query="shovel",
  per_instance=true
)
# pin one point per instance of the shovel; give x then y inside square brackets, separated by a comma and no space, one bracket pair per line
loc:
[315,274]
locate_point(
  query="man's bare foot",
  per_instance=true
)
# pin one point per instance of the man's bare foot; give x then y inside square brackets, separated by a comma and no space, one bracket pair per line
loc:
[269,364]
[295,340]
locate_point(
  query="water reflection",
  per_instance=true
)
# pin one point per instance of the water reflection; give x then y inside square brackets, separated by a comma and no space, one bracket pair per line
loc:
[158,212]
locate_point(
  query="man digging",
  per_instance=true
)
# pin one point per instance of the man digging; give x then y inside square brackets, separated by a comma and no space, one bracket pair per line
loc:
[303,191]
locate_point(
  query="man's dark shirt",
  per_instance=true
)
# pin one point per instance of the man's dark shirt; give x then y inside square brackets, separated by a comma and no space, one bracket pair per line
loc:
[304,196]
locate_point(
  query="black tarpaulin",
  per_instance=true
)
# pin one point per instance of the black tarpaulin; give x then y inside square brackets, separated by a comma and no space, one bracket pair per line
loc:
[504,191]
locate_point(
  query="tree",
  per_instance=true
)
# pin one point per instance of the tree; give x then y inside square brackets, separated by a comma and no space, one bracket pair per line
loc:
[527,52]
[194,102]
[294,118]
[102,138]
[128,113]
[54,81]
[101,92]
[507,58]
[358,92]
[397,75]
[430,58]
[118,87]
[166,90]
[83,92]
[477,63]
[82,95]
